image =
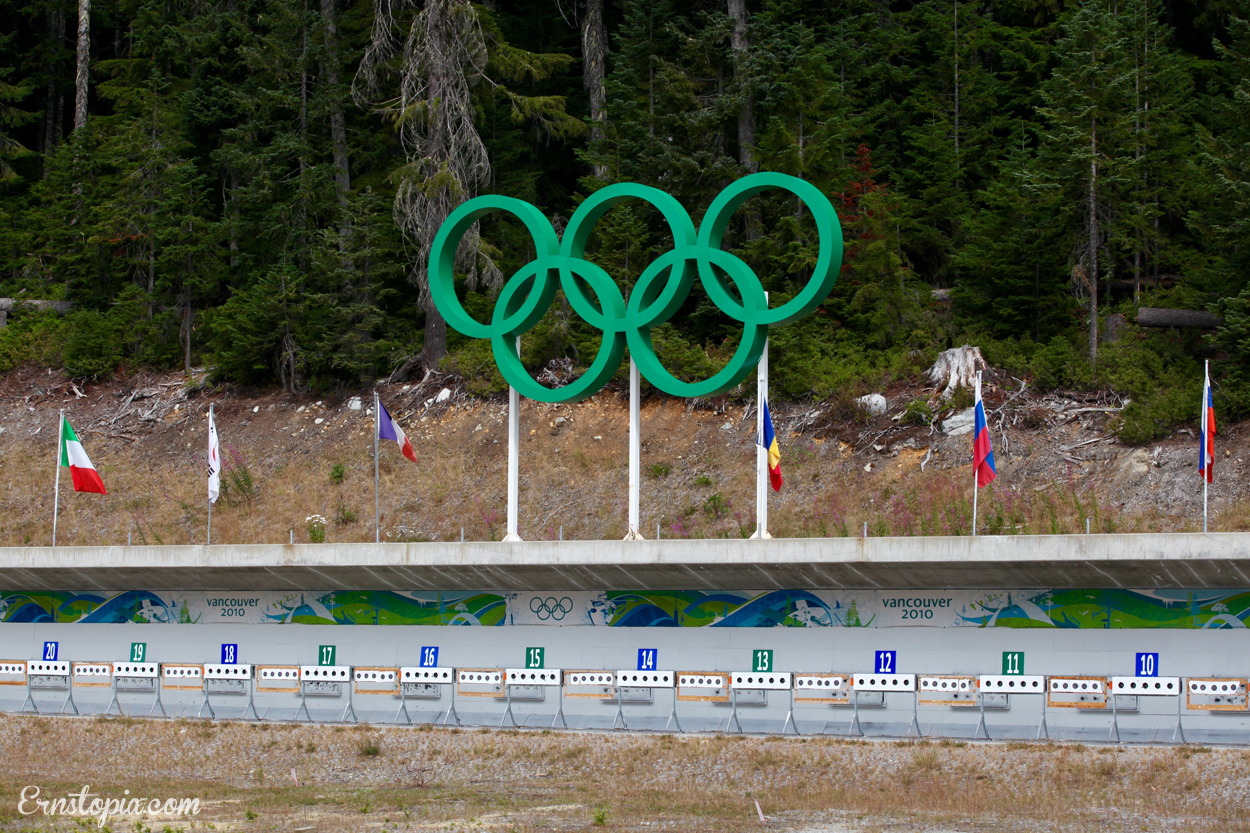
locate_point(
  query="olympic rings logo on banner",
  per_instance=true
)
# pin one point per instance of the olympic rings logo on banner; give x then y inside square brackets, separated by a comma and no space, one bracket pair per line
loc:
[658,294]
[550,608]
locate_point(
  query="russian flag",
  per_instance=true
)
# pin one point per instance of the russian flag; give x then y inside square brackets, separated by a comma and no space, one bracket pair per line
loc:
[768,439]
[1206,432]
[982,453]
[388,429]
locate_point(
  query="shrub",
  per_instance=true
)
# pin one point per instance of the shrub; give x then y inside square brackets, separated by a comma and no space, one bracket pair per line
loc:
[658,470]
[917,412]
[337,473]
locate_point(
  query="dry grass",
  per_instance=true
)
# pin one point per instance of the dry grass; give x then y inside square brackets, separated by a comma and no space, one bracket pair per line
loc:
[543,781]
[574,476]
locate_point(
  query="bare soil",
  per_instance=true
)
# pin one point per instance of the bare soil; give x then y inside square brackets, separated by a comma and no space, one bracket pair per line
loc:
[407,779]
[1057,459]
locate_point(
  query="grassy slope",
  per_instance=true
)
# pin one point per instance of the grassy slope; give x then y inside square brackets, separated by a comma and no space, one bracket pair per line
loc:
[697,466]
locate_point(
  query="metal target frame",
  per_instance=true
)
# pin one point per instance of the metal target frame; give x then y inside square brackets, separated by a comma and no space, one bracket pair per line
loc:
[649,680]
[764,681]
[540,677]
[430,676]
[1032,684]
[40,674]
[243,673]
[327,675]
[133,672]
[1145,687]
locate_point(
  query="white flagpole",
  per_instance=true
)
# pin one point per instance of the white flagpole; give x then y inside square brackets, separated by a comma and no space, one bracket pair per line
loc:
[377,431]
[975,486]
[514,442]
[761,453]
[56,495]
[635,449]
[1206,441]
[210,463]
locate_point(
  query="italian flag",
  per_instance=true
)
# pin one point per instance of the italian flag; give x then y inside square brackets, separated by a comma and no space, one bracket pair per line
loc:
[75,458]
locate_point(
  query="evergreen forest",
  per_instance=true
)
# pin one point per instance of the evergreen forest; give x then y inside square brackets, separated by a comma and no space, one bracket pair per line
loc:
[252,186]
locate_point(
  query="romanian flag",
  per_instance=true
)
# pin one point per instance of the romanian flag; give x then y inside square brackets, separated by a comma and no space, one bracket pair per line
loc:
[982,453]
[388,429]
[1206,431]
[73,457]
[768,440]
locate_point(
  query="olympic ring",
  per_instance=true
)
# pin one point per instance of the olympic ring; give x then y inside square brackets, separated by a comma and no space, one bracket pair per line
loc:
[661,290]
[550,608]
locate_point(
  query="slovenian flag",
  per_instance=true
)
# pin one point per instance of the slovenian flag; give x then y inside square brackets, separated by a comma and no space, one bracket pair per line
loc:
[982,453]
[1206,431]
[388,429]
[768,439]
[73,457]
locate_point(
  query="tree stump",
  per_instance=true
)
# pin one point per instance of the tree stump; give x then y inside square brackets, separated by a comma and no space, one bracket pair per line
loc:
[956,368]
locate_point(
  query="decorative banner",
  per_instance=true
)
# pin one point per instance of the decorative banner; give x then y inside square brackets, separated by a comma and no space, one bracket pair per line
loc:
[658,294]
[1080,609]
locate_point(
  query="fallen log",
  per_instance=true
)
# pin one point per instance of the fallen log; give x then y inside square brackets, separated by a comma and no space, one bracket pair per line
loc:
[1156,317]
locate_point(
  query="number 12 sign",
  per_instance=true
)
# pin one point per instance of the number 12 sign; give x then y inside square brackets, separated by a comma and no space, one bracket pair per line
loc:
[885,663]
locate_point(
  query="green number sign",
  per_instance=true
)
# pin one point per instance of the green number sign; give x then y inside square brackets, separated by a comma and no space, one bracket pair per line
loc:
[325,655]
[762,660]
[534,657]
[1013,663]
[138,650]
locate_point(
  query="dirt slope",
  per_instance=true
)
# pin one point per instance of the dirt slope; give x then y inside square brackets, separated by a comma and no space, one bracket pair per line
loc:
[146,435]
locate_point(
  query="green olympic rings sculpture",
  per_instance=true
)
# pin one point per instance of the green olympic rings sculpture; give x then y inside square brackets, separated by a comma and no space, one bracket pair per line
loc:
[658,294]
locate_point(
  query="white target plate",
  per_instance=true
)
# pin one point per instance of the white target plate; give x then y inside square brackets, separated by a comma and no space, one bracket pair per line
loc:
[227,672]
[417,674]
[325,673]
[1161,686]
[51,669]
[1219,686]
[93,669]
[1013,684]
[1075,685]
[691,679]
[760,681]
[572,678]
[885,682]
[646,679]
[533,676]
[142,670]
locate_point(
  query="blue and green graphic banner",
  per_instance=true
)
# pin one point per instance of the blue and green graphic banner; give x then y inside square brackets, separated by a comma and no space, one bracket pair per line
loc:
[1083,609]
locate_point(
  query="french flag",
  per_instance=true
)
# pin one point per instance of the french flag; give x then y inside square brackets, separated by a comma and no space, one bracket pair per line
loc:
[388,429]
[1206,431]
[982,453]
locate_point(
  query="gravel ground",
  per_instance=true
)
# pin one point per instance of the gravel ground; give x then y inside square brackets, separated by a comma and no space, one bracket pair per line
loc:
[375,778]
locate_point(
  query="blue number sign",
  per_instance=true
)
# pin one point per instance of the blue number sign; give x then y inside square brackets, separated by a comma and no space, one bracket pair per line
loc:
[49,651]
[429,657]
[885,662]
[1147,665]
[646,659]
[229,654]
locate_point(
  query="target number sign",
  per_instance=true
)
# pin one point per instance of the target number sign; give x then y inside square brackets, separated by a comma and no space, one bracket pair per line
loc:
[762,660]
[534,657]
[429,657]
[325,655]
[229,654]
[138,651]
[50,651]
[1013,663]
[1147,665]
[647,659]
[885,662]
